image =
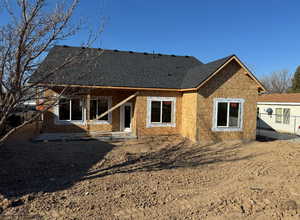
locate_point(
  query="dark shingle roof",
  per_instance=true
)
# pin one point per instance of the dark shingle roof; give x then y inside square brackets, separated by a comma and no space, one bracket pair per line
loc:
[124,69]
[200,73]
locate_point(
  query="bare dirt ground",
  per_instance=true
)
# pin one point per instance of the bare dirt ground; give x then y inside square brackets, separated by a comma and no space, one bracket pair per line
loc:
[161,178]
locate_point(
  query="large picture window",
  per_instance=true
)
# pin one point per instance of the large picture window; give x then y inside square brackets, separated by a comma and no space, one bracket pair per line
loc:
[228,114]
[161,111]
[98,106]
[70,109]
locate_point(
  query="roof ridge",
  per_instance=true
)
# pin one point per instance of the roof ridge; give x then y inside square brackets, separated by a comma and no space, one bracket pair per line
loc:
[224,58]
[127,51]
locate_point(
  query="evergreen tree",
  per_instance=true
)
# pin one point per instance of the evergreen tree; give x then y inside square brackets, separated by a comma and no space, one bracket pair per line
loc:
[296,81]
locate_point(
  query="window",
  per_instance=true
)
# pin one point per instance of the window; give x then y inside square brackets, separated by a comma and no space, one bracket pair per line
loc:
[286,116]
[70,109]
[228,114]
[161,111]
[166,111]
[98,106]
[278,115]
[155,111]
[64,109]
[282,115]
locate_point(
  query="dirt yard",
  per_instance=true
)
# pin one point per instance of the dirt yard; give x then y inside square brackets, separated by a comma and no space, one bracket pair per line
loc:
[161,178]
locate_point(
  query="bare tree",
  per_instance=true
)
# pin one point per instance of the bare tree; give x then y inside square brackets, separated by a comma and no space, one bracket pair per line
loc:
[34,27]
[278,81]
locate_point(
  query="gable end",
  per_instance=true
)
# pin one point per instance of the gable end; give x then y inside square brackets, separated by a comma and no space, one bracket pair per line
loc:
[235,58]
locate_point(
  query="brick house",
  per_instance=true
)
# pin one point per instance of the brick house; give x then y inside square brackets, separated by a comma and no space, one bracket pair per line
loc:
[151,94]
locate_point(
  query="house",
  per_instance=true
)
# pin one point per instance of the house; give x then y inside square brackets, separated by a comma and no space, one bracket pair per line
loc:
[279,112]
[151,94]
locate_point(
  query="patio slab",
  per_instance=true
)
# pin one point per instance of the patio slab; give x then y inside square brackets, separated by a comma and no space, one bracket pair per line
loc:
[101,136]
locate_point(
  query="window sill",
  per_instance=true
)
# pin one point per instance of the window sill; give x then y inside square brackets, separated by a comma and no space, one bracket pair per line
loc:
[61,122]
[153,125]
[227,129]
[102,122]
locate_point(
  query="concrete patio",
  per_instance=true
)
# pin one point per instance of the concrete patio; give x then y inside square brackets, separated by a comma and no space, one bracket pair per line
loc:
[101,136]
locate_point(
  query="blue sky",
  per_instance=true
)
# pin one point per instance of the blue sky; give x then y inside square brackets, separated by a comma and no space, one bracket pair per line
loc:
[264,34]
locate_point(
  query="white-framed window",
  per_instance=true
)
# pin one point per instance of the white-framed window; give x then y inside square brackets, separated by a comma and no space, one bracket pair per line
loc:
[161,112]
[228,114]
[70,110]
[278,115]
[282,115]
[286,116]
[99,105]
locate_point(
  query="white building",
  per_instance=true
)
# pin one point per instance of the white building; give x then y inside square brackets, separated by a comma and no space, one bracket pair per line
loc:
[279,112]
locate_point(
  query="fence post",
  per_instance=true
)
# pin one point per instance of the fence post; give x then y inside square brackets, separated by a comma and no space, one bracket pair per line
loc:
[295,124]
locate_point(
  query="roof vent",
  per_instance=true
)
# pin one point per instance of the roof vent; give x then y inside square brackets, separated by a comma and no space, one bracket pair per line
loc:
[159,54]
[173,55]
[82,47]
[145,53]
[187,56]
[130,51]
[169,74]
[116,50]
[65,46]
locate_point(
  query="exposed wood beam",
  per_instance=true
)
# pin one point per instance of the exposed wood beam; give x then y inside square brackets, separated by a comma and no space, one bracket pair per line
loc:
[117,106]
[109,87]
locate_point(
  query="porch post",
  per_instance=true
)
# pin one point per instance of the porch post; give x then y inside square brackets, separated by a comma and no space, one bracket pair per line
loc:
[88,101]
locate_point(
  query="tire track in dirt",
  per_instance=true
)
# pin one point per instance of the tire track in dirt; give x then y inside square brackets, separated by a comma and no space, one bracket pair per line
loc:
[257,179]
[151,212]
[205,196]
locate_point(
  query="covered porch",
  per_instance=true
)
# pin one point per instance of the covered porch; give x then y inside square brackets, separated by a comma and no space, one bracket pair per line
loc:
[92,111]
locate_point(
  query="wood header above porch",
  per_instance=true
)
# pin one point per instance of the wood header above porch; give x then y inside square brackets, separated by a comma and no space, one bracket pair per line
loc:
[110,87]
